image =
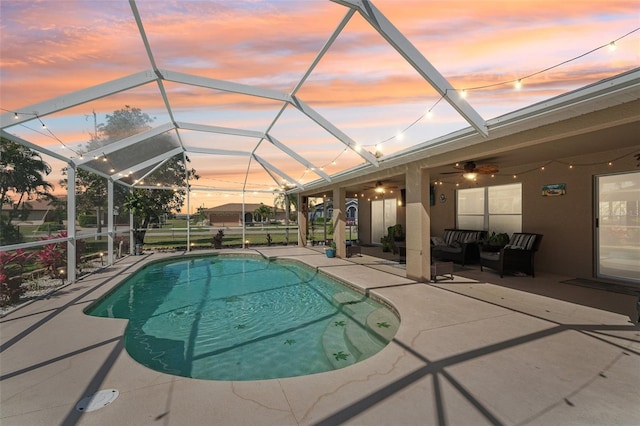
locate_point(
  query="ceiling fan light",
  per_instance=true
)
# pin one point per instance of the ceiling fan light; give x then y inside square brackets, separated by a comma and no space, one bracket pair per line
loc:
[379,188]
[470,175]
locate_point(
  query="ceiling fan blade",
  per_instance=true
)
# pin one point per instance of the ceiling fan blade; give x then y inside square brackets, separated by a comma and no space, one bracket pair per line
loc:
[487,169]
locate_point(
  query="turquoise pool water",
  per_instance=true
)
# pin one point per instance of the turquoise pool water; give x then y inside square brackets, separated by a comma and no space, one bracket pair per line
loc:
[231,318]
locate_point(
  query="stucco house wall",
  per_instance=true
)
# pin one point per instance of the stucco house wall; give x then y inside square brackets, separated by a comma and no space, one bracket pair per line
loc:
[566,221]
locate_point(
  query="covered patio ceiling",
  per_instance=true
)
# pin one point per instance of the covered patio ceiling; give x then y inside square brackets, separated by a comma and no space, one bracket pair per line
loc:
[272,94]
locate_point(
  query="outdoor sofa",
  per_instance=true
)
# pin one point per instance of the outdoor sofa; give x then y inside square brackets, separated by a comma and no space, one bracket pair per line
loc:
[457,245]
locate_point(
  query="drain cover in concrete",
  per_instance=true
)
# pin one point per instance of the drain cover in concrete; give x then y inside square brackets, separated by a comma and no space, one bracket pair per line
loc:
[98,400]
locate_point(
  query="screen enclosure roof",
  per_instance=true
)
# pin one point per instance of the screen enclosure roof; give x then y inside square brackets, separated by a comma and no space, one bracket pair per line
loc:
[272,95]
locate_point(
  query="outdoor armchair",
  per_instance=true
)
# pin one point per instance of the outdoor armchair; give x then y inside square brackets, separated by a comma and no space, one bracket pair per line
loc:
[517,256]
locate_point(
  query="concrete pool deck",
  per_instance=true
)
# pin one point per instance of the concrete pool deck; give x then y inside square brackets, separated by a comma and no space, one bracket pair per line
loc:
[472,351]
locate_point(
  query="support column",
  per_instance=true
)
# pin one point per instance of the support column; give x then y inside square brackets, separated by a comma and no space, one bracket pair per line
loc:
[418,224]
[303,220]
[244,220]
[71,223]
[186,178]
[110,228]
[287,213]
[132,241]
[338,219]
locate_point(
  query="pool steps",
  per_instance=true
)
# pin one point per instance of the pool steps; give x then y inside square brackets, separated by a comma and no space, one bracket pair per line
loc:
[363,332]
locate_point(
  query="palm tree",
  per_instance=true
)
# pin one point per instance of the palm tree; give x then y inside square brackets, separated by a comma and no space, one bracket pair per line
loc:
[286,201]
[263,212]
[21,179]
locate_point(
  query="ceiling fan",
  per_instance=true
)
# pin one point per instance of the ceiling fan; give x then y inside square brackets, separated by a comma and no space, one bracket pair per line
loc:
[381,188]
[471,171]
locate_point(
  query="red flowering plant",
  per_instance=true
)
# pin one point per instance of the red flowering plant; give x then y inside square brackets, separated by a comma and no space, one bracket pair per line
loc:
[11,267]
[53,256]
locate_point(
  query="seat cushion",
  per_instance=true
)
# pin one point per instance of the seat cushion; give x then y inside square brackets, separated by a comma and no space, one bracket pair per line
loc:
[490,255]
[449,249]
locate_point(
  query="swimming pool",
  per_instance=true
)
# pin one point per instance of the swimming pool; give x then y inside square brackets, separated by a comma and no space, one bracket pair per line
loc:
[244,318]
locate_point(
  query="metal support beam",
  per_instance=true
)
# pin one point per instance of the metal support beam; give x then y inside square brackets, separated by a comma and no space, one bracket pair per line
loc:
[71,223]
[151,162]
[226,86]
[297,157]
[413,56]
[110,222]
[125,143]
[18,140]
[270,167]
[220,130]
[77,98]
[329,127]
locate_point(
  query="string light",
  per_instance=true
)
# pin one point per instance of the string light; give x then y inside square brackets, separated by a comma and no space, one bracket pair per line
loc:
[570,165]
[611,46]
[517,83]
[16,115]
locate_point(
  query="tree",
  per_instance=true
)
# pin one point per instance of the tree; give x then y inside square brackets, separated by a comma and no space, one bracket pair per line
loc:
[286,201]
[91,193]
[146,205]
[200,215]
[22,172]
[91,189]
[263,212]
[121,124]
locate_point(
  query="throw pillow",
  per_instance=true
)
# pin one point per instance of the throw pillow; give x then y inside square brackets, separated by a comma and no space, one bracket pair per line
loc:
[437,241]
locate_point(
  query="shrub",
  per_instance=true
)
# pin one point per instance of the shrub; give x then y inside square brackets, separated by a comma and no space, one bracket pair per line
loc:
[9,233]
[50,227]
[11,267]
[87,220]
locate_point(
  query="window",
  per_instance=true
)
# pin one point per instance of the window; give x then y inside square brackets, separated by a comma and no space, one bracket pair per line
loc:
[493,208]
[383,215]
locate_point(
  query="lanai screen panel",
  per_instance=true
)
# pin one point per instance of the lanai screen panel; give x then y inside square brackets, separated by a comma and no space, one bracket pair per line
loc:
[267,44]
[201,105]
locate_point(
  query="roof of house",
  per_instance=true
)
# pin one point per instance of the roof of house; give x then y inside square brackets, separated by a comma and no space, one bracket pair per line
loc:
[234,208]
[37,204]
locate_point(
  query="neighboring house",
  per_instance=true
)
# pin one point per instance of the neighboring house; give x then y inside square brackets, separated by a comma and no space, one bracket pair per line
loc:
[351,211]
[41,211]
[231,214]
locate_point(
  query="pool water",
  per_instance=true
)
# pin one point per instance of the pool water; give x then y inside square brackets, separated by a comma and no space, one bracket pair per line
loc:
[244,318]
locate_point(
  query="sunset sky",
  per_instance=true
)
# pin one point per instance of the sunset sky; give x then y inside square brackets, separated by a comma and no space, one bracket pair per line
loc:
[362,85]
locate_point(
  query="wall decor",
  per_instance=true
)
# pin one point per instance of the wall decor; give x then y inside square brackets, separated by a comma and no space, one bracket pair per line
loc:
[554,189]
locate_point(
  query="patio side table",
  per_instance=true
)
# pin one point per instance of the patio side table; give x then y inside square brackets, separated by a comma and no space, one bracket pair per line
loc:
[441,269]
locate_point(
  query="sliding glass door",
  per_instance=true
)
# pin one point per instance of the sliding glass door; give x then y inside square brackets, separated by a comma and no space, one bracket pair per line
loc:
[618,226]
